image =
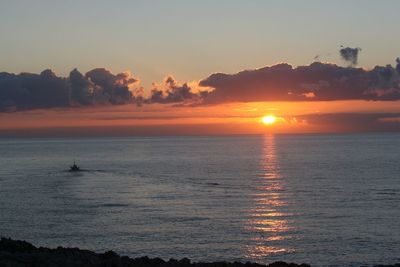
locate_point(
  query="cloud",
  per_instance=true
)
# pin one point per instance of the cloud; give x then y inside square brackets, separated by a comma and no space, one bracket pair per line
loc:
[282,82]
[354,122]
[27,91]
[81,88]
[172,92]
[315,82]
[350,54]
[111,88]
[398,65]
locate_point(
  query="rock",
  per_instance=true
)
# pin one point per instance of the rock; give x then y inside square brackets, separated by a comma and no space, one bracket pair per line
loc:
[15,253]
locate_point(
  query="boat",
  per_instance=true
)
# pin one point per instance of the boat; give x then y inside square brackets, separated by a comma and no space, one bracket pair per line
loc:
[74,168]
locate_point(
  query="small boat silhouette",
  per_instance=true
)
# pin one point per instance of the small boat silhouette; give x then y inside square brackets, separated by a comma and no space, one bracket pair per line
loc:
[74,168]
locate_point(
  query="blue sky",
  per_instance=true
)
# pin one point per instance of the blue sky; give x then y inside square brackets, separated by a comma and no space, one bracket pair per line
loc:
[191,39]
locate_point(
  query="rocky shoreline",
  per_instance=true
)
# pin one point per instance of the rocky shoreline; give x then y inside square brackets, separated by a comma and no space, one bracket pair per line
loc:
[15,253]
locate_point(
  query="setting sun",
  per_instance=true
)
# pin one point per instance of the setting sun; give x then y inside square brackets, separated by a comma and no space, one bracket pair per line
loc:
[269,119]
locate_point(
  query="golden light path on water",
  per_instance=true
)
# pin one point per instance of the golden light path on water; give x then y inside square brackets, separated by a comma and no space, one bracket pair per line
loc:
[267,221]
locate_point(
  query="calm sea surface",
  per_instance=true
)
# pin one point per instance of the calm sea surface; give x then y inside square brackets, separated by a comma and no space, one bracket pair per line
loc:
[328,200]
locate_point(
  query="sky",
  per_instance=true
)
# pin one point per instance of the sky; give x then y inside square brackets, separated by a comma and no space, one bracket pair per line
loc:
[146,49]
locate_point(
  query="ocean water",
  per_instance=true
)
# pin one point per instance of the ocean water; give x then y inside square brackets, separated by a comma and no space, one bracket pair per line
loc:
[327,200]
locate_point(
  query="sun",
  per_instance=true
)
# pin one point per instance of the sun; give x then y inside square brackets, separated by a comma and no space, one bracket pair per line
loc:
[269,119]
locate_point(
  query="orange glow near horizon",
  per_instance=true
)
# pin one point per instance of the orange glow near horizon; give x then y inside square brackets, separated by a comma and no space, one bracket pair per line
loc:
[233,118]
[269,119]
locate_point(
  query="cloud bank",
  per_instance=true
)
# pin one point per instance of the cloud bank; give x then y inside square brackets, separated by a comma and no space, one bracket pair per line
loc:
[27,91]
[282,82]
[315,82]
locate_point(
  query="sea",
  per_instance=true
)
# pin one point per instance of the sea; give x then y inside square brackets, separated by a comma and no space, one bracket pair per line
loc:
[326,200]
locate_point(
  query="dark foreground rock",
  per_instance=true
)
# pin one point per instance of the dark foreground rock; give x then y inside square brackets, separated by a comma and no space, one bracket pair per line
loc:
[14,253]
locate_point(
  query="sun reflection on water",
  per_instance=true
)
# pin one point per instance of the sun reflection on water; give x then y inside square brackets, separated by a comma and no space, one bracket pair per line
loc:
[268,222]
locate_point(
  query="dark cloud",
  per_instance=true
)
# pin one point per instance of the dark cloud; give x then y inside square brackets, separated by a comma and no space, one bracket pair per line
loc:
[113,88]
[315,82]
[173,93]
[27,91]
[81,88]
[354,122]
[398,65]
[350,54]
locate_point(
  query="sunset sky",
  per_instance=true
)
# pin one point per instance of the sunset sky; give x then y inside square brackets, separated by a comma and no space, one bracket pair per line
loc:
[198,67]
